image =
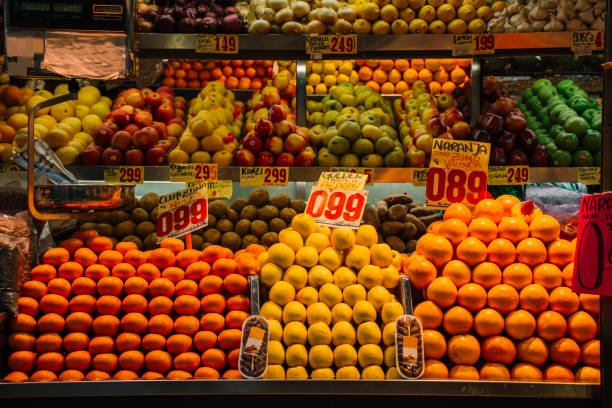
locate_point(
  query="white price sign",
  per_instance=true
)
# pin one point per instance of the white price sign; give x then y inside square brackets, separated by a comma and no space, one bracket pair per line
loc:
[335,207]
[182,212]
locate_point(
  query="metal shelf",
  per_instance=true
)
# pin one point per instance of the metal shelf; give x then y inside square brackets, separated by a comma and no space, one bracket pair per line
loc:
[272,46]
[293,387]
[381,174]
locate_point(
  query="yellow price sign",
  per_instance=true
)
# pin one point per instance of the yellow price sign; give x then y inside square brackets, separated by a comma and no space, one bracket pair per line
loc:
[584,42]
[217,44]
[473,44]
[368,171]
[217,189]
[331,44]
[264,176]
[193,172]
[508,175]
[589,175]
[124,174]
[419,177]
[9,167]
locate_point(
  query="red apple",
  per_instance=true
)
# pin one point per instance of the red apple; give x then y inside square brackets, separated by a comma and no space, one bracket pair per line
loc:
[103,135]
[245,158]
[277,113]
[121,117]
[285,159]
[134,157]
[452,116]
[164,113]
[132,128]
[135,99]
[435,125]
[153,99]
[165,89]
[161,129]
[145,138]
[253,143]
[295,143]
[122,140]
[275,145]
[283,128]
[90,156]
[161,145]
[146,91]
[416,157]
[112,157]
[270,96]
[264,128]
[155,156]
[111,125]
[306,158]
[143,119]
[264,158]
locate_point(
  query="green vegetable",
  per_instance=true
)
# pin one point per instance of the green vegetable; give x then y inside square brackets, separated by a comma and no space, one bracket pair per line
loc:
[540,83]
[527,94]
[592,140]
[577,125]
[555,130]
[588,114]
[567,141]
[578,103]
[562,158]
[565,115]
[596,122]
[582,158]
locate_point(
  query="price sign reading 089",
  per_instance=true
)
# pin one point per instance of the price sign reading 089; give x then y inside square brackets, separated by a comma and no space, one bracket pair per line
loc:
[182,212]
[336,208]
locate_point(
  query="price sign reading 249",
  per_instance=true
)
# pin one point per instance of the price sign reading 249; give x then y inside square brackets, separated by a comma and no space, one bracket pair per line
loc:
[336,208]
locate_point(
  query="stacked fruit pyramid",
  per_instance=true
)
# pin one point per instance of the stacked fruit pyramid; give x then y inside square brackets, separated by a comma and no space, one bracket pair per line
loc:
[332,305]
[499,299]
[98,311]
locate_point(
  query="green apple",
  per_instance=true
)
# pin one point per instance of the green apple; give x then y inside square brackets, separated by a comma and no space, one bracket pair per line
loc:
[316,118]
[329,134]
[362,146]
[327,159]
[372,160]
[384,145]
[371,132]
[395,158]
[339,145]
[349,160]
[445,101]
[368,119]
[345,117]
[332,104]
[330,117]
[349,130]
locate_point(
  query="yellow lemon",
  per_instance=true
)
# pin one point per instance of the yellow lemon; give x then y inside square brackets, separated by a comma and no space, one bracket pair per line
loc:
[88,95]
[304,224]
[345,355]
[34,100]
[270,274]
[378,296]
[307,256]
[276,352]
[348,373]
[307,296]
[99,109]
[358,257]
[323,230]
[322,374]
[343,333]
[77,144]
[319,275]
[296,275]
[370,354]
[389,356]
[189,144]
[57,138]
[296,355]
[61,89]
[363,311]
[200,157]
[294,333]
[294,312]
[388,334]
[366,235]
[297,373]
[330,294]
[331,258]
[91,123]
[291,238]
[318,312]
[353,294]
[368,333]
[62,111]
[74,123]
[344,277]
[47,121]
[393,374]
[319,333]
[282,293]
[65,127]
[178,156]
[276,330]
[42,131]
[106,100]
[271,311]
[18,121]
[223,158]
[343,238]
[341,313]
[381,255]
[81,111]
[67,155]
[391,277]
[320,356]
[318,240]
[370,276]
[391,311]
[281,254]
[44,93]
[274,372]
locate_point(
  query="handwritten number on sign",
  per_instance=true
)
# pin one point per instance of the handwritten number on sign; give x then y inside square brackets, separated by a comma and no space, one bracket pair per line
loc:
[591,235]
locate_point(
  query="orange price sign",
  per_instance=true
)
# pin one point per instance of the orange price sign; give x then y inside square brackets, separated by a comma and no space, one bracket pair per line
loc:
[457,172]
[336,208]
[124,174]
[217,44]
[593,257]
[182,212]
[483,43]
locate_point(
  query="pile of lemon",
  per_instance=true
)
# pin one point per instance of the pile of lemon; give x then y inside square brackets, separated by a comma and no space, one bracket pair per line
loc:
[332,303]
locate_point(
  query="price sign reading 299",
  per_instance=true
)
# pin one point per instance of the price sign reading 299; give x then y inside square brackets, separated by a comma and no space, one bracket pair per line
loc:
[336,208]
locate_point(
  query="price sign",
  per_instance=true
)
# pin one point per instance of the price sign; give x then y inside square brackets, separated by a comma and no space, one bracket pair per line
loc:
[584,42]
[182,212]
[216,189]
[217,43]
[264,176]
[589,175]
[593,257]
[368,171]
[483,43]
[342,180]
[457,172]
[124,174]
[419,177]
[331,44]
[9,167]
[507,175]
[473,44]
[462,45]
[336,208]
[193,172]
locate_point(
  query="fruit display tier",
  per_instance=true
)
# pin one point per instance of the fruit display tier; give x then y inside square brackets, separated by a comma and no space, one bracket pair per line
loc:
[305,174]
[373,46]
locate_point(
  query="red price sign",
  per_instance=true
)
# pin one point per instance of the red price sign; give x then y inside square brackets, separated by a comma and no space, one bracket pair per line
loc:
[217,43]
[182,212]
[336,208]
[593,256]
[483,43]
[124,174]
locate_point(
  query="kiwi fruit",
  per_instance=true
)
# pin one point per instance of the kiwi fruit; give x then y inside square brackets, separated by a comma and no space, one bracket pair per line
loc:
[269,238]
[243,227]
[225,225]
[149,201]
[125,228]
[238,204]
[298,205]
[267,212]
[287,214]
[139,215]
[258,228]
[249,212]
[145,228]
[211,235]
[217,208]
[277,225]
[248,240]
[281,201]
[231,240]
[232,215]
[136,240]
[259,197]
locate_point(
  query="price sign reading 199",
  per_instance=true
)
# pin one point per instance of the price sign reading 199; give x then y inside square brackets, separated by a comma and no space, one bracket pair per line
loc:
[339,208]
[484,43]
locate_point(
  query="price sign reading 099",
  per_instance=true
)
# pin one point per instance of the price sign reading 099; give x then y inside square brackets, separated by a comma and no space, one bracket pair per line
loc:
[336,208]
[182,212]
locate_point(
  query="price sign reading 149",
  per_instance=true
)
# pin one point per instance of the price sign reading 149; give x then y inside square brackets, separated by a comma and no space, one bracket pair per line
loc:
[336,208]
[217,44]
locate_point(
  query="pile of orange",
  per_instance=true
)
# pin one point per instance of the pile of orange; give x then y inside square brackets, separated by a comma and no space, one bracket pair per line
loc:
[499,303]
[397,76]
[235,74]
[97,311]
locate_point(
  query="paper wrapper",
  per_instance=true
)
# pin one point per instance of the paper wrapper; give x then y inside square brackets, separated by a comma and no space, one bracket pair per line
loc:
[45,161]
[80,55]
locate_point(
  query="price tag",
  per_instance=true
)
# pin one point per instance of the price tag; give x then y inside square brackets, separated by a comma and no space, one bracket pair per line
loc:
[419,177]
[589,175]
[264,176]
[507,175]
[368,171]
[9,167]
[124,174]
[217,43]
[217,189]
[336,208]
[193,172]
[584,42]
[331,44]
[457,172]
[483,44]
[462,45]
[182,212]
[473,44]
[342,180]
[593,256]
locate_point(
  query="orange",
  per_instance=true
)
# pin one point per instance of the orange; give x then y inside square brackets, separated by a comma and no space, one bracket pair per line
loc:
[429,314]
[533,350]
[110,258]
[501,252]
[136,285]
[79,322]
[457,320]
[564,301]
[526,372]
[127,341]
[34,289]
[134,303]
[148,272]
[135,257]
[123,247]
[213,252]
[160,324]
[581,326]
[187,287]
[23,323]
[531,252]
[16,376]
[160,305]
[85,235]
[561,252]
[105,362]
[464,372]
[152,375]
[125,375]
[162,258]
[49,342]
[460,211]
[448,87]
[84,286]
[178,375]
[498,349]
[547,275]
[56,256]
[52,361]
[590,303]
[565,351]
[463,349]
[454,230]
[235,283]
[239,302]
[153,341]
[213,303]
[186,305]
[558,373]
[97,375]
[568,274]
[551,325]
[99,244]
[248,266]
[425,75]
[71,375]
[545,228]
[158,360]
[51,322]
[187,257]
[173,244]
[110,285]
[438,250]
[520,324]
[124,271]
[59,286]
[401,87]
[588,375]
[186,325]
[197,270]
[101,344]
[442,291]
[517,275]
[513,229]
[130,360]
[21,341]
[70,270]
[206,373]
[134,322]
[214,358]
[410,75]
[96,272]
[457,271]
[434,344]
[229,339]
[487,275]
[488,322]
[434,87]
[224,267]
[379,76]
[108,304]
[86,257]
[203,340]
[472,296]
[28,305]
[435,369]
[235,318]
[489,208]
[43,273]
[590,352]
[232,359]
[178,343]
[472,251]
[534,298]
[22,360]
[75,341]
[212,321]
[188,361]
[43,376]
[105,325]
[161,287]
[173,274]
[503,298]
[507,202]
[83,303]
[494,371]
[420,271]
